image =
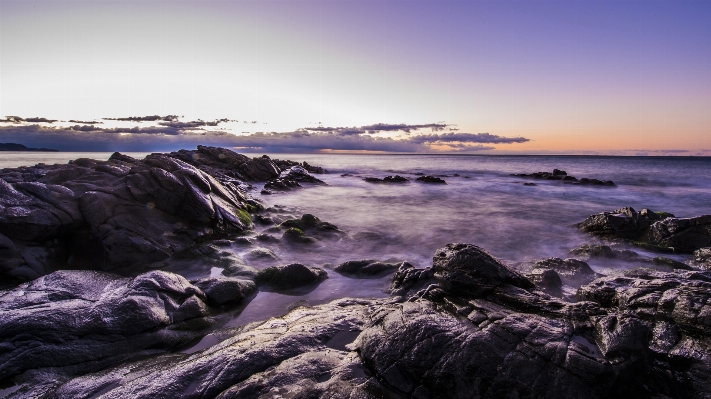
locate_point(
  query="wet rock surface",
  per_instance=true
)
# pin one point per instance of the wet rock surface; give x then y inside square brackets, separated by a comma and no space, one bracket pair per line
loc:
[367,268]
[474,328]
[123,212]
[293,275]
[572,272]
[86,320]
[658,231]
[563,176]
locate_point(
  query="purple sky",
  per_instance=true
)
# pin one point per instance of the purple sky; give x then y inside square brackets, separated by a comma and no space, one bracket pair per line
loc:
[603,76]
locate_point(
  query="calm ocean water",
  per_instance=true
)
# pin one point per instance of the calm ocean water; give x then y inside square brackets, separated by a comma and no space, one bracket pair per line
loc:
[483,206]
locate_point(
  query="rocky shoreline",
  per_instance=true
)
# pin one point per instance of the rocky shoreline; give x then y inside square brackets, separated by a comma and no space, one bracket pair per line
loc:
[469,325]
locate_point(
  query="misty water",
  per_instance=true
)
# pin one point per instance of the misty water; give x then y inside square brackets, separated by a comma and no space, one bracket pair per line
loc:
[484,206]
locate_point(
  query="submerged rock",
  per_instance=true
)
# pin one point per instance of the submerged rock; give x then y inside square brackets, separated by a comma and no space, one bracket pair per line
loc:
[312,225]
[430,179]
[368,268]
[290,276]
[563,176]
[387,179]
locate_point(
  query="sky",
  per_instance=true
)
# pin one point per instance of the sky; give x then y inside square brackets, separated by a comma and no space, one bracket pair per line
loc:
[588,77]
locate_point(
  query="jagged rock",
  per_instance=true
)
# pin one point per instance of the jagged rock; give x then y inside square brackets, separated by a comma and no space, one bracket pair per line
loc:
[290,276]
[368,268]
[225,290]
[430,179]
[408,278]
[660,230]
[280,184]
[682,234]
[112,214]
[573,272]
[85,320]
[702,258]
[624,223]
[547,280]
[464,269]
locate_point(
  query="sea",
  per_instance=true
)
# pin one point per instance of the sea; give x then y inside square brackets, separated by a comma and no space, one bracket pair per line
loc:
[480,204]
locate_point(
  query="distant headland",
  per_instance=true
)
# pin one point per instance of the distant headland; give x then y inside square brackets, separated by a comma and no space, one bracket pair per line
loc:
[20,147]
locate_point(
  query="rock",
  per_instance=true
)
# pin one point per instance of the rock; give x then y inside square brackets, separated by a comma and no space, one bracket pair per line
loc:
[367,268]
[563,176]
[530,184]
[702,258]
[86,320]
[113,214]
[624,223]
[682,234]
[387,179]
[311,224]
[408,278]
[240,270]
[463,269]
[640,334]
[430,179]
[572,272]
[295,235]
[225,290]
[676,265]
[302,354]
[280,185]
[261,255]
[266,192]
[547,280]
[293,275]
[266,238]
[588,251]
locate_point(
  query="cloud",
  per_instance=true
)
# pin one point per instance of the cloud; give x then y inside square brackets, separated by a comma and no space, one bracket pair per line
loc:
[169,135]
[151,118]
[192,125]
[376,128]
[465,138]
[17,119]
[86,122]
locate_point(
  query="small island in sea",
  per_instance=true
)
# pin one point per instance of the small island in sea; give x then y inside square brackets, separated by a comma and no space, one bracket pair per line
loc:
[20,147]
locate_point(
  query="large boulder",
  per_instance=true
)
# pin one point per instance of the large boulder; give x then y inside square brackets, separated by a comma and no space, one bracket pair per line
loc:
[112,214]
[681,234]
[85,320]
[290,276]
[623,223]
[468,270]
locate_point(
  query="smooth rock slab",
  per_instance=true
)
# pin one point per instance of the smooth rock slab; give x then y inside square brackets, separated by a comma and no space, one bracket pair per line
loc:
[69,318]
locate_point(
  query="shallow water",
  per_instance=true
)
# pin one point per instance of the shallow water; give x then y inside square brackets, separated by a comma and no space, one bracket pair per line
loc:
[484,206]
